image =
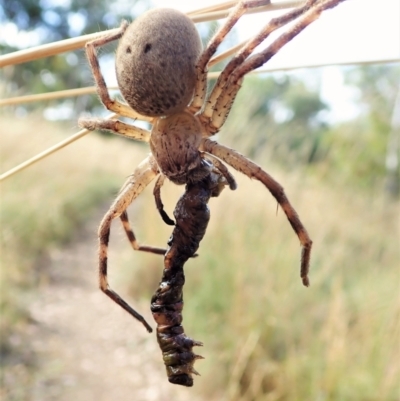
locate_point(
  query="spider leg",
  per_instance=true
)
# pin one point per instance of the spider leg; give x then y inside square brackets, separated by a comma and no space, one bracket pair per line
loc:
[159,204]
[212,46]
[132,238]
[113,105]
[252,170]
[227,96]
[141,177]
[117,127]
[245,51]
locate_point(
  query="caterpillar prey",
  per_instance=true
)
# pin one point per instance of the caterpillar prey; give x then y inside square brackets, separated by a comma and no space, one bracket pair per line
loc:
[192,215]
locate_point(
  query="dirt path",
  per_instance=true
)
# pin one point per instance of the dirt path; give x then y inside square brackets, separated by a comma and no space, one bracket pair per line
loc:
[88,348]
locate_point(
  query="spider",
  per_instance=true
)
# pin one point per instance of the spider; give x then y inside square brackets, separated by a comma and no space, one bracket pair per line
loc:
[162,75]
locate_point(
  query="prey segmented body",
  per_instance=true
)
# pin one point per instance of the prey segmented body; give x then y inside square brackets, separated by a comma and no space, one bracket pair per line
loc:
[162,74]
[191,216]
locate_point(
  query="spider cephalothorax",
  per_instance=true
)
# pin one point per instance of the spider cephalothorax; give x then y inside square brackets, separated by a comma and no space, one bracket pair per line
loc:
[162,75]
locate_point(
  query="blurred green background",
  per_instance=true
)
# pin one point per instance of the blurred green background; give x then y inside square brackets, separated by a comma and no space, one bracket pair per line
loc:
[266,337]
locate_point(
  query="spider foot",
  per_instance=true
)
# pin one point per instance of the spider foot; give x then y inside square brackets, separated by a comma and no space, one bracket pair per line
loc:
[88,123]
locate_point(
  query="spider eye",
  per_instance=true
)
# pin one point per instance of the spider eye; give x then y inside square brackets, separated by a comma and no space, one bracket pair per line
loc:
[128,49]
[147,48]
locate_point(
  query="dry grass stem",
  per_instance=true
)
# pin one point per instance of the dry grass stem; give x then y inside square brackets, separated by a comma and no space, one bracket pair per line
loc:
[229,4]
[49,49]
[241,363]
[225,54]
[211,75]
[51,95]
[215,7]
[47,152]
[62,46]
[214,15]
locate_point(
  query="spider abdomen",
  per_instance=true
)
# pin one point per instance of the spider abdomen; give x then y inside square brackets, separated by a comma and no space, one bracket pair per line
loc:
[155,62]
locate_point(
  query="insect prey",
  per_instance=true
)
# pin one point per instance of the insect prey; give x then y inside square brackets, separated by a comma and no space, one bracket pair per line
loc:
[192,216]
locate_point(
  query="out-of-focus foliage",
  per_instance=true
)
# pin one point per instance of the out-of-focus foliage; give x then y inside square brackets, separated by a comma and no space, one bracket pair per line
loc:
[380,97]
[288,126]
[31,23]
[285,118]
[358,149]
[40,209]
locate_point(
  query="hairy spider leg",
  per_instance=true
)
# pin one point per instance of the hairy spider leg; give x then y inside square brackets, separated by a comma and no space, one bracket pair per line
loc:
[209,51]
[252,170]
[117,127]
[132,238]
[212,46]
[246,50]
[142,176]
[159,204]
[113,105]
[225,100]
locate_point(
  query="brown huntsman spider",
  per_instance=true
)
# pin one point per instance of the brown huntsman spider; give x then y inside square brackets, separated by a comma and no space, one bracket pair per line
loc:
[162,75]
